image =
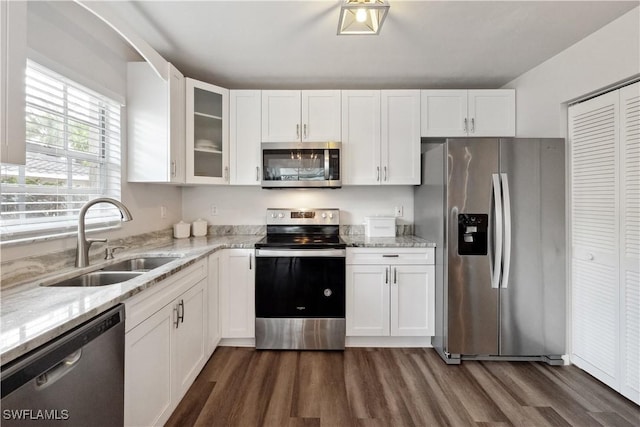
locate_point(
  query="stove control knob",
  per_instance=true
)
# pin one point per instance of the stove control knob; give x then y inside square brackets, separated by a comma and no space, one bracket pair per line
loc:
[280,215]
[327,292]
[324,215]
[330,216]
[273,215]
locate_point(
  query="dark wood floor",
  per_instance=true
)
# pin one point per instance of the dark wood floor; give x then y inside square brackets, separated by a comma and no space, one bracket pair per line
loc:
[393,387]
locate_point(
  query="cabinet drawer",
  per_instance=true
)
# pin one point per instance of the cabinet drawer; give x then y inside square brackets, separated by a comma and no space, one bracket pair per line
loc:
[390,256]
[143,305]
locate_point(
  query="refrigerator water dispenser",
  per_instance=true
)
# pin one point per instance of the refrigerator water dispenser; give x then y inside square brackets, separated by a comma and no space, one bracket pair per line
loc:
[472,234]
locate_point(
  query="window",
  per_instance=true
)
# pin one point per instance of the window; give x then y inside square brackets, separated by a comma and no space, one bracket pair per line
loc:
[73,156]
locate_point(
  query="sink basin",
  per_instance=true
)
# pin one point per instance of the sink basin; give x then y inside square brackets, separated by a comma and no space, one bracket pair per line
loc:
[99,278]
[140,264]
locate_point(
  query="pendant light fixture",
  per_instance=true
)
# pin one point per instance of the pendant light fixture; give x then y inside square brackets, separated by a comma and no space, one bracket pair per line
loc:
[362,16]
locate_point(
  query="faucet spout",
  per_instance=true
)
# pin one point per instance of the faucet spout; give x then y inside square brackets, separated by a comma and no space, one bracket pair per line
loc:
[82,248]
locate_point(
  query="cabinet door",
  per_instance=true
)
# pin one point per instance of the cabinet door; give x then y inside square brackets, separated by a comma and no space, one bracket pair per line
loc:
[207,130]
[213,314]
[176,126]
[367,300]
[13,56]
[444,113]
[190,338]
[361,137]
[237,294]
[244,136]
[147,370]
[412,300]
[281,116]
[155,125]
[321,115]
[492,112]
[400,137]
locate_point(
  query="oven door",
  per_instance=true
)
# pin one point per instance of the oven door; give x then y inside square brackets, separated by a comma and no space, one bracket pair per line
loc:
[302,283]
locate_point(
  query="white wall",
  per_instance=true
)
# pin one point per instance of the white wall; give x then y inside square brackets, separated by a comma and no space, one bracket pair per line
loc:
[608,56]
[247,205]
[95,56]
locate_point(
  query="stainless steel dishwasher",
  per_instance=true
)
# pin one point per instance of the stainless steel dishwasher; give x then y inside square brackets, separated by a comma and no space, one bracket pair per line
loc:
[75,380]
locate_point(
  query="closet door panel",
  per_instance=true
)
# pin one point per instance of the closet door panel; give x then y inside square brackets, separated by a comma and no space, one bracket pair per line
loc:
[593,132]
[630,240]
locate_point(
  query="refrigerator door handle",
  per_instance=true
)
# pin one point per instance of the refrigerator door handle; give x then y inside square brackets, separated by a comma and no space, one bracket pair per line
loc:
[507,229]
[496,267]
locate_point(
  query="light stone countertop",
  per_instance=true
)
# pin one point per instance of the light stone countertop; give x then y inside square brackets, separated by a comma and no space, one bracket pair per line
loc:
[31,315]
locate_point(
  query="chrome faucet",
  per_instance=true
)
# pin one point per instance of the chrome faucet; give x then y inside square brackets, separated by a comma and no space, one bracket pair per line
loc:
[82,249]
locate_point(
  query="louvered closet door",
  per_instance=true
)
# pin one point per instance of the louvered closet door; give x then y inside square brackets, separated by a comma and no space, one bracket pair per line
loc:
[630,244]
[593,132]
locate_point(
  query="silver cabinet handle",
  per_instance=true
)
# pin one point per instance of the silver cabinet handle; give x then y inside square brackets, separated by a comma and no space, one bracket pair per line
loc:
[378,173]
[473,125]
[298,131]
[258,173]
[385,174]
[304,132]
[250,262]
[173,168]
[226,173]
[181,311]
[386,275]
[395,275]
[390,256]
[177,321]
[465,124]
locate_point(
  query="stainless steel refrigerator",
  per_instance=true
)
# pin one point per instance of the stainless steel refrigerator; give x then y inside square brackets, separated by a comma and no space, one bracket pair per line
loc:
[496,209]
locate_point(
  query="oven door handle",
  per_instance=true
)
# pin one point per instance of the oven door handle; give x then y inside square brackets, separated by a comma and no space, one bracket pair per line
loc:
[286,253]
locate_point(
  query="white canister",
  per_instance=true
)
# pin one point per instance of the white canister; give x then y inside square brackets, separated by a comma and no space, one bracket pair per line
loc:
[181,230]
[199,227]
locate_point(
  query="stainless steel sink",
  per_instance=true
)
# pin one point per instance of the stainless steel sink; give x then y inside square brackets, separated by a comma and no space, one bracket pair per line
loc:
[141,264]
[98,278]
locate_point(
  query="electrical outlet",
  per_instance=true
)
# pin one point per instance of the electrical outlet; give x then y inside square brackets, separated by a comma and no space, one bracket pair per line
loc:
[399,211]
[214,210]
[163,212]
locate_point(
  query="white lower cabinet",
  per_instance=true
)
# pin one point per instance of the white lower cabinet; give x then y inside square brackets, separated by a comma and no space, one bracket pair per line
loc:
[390,292]
[237,288]
[165,343]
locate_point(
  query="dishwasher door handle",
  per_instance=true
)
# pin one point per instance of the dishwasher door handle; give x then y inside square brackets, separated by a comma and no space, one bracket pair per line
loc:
[58,371]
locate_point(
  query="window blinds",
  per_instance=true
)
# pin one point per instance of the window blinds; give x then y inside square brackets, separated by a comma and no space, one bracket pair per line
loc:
[73,156]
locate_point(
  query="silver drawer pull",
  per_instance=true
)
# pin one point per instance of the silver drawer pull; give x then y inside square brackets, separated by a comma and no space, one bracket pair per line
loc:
[390,256]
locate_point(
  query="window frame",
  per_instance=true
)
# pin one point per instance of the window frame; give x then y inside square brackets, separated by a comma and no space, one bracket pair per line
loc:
[108,158]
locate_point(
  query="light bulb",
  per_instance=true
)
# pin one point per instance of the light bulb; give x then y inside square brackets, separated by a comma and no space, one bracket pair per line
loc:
[361,15]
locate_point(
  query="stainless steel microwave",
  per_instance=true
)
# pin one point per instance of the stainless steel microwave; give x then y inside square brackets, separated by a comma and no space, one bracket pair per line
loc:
[301,165]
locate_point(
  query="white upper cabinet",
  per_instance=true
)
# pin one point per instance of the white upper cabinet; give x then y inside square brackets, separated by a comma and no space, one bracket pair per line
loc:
[361,137]
[400,137]
[381,137]
[155,125]
[457,113]
[244,135]
[207,133]
[13,46]
[300,116]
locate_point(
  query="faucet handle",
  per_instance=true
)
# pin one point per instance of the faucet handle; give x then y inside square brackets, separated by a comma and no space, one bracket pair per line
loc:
[108,251]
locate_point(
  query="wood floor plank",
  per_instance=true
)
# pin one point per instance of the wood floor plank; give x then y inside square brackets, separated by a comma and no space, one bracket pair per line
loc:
[382,387]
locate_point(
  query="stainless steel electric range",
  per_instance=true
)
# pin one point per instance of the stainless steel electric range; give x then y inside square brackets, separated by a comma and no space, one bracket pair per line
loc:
[300,281]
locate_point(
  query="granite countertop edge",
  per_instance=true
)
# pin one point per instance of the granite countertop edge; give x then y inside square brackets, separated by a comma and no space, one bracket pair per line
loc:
[53,311]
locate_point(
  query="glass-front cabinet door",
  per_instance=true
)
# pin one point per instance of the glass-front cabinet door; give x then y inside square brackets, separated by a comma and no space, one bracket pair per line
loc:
[207,128]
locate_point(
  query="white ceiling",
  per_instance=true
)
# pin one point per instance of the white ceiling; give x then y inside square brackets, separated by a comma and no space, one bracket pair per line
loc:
[423,44]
